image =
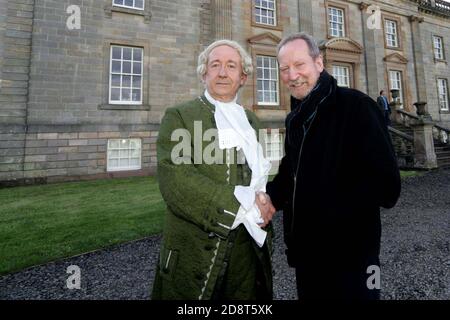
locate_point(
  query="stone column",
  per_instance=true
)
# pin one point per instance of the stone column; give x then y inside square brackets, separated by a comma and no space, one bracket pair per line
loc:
[424,155]
[418,57]
[222,19]
[305,16]
[370,56]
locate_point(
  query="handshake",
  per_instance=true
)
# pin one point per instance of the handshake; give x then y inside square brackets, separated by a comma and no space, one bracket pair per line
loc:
[265,206]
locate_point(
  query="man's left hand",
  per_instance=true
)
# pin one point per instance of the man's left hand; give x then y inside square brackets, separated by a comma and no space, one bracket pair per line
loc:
[265,207]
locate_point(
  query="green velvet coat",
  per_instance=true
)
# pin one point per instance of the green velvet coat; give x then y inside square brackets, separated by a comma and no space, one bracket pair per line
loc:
[199,252]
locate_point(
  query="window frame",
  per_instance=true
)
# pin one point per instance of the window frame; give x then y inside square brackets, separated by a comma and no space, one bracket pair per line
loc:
[277,26]
[447,100]
[442,48]
[402,86]
[274,10]
[129,7]
[398,24]
[110,7]
[277,70]
[105,104]
[348,67]
[345,9]
[268,142]
[122,102]
[108,155]
[330,28]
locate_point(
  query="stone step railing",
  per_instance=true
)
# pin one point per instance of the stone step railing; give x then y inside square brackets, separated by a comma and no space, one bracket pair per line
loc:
[405,118]
[422,125]
[441,134]
[404,147]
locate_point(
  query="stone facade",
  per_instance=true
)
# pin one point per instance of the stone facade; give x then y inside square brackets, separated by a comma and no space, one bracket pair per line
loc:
[55,115]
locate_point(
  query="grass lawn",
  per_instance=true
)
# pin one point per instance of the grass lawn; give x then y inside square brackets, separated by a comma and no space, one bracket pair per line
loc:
[39,224]
[407,174]
[43,223]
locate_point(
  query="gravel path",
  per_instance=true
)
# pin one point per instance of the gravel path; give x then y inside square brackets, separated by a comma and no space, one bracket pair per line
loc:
[415,256]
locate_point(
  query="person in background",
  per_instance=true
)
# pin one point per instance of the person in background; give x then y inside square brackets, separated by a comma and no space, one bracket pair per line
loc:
[383,103]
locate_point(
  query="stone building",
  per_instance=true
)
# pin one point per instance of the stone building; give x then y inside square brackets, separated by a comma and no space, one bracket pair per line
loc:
[84,84]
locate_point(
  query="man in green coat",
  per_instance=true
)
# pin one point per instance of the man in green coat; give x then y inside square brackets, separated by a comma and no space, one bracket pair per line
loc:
[217,243]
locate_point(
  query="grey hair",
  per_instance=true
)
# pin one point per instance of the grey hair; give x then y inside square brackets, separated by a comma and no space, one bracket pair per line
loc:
[314,50]
[246,60]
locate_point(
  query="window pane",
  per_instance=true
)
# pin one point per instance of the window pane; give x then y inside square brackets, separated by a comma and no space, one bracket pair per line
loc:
[113,144]
[114,163]
[133,144]
[259,73]
[126,81]
[135,153]
[116,53]
[137,68]
[116,66]
[273,72]
[260,96]
[115,94]
[115,80]
[114,153]
[273,86]
[136,95]
[126,94]
[129,3]
[124,143]
[134,162]
[139,4]
[126,53]
[137,54]
[136,82]
[124,153]
[126,67]
[123,163]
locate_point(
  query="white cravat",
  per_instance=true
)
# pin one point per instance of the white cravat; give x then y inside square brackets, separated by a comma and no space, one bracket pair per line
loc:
[234,130]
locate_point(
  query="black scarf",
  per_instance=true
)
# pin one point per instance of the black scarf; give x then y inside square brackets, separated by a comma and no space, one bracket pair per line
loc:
[304,111]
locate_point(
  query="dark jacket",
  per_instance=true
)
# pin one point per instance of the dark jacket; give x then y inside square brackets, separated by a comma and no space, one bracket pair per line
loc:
[200,257]
[338,169]
[381,105]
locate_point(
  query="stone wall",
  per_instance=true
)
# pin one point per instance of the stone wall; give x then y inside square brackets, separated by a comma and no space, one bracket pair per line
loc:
[16,22]
[55,120]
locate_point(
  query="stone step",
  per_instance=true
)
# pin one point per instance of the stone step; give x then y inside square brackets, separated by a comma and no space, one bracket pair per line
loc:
[443,165]
[443,158]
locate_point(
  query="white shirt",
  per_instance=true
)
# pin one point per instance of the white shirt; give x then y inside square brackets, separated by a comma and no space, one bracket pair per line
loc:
[234,130]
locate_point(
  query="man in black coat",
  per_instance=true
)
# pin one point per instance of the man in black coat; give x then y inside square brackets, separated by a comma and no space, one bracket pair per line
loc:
[339,168]
[383,103]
